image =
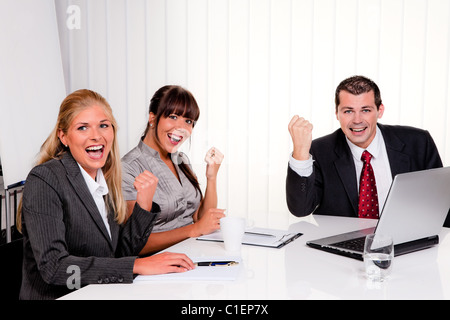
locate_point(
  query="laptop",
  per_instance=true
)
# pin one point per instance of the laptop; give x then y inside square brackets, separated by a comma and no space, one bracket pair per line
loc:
[413,214]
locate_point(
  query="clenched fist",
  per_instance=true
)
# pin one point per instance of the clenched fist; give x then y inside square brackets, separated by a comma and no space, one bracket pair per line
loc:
[213,159]
[145,184]
[301,134]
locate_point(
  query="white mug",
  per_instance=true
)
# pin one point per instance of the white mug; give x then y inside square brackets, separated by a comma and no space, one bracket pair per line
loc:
[233,229]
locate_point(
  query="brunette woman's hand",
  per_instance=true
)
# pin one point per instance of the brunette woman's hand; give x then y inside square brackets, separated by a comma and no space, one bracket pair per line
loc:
[213,159]
[209,222]
[145,184]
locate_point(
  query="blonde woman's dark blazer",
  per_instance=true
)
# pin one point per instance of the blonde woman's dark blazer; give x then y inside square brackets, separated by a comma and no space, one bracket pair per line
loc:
[64,233]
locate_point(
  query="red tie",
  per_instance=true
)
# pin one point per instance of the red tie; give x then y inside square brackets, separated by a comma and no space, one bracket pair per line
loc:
[368,196]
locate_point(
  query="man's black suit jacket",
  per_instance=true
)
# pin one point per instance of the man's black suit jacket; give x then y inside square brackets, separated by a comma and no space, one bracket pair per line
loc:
[332,187]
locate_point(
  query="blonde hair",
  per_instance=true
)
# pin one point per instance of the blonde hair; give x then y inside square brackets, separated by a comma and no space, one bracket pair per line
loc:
[53,148]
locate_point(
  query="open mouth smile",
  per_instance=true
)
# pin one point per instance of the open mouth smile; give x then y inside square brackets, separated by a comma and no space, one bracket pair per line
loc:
[358,130]
[95,152]
[174,139]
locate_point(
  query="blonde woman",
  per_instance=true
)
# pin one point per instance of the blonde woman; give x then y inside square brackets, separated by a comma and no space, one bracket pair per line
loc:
[73,212]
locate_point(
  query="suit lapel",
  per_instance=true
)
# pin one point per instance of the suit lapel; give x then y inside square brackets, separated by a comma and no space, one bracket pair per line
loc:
[79,185]
[114,228]
[345,168]
[398,161]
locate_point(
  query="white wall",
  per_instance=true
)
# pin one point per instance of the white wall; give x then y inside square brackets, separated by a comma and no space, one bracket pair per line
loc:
[31,85]
[252,65]
[31,82]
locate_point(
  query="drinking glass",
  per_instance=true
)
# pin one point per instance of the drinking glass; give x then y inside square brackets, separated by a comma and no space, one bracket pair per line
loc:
[378,256]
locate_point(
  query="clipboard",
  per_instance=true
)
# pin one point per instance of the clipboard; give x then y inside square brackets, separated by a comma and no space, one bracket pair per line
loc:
[261,237]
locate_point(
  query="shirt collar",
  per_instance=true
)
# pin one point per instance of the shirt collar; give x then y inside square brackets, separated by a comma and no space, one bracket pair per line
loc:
[374,148]
[177,157]
[147,150]
[99,185]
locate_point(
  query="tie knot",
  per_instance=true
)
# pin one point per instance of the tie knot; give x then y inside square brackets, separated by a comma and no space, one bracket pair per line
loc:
[366,156]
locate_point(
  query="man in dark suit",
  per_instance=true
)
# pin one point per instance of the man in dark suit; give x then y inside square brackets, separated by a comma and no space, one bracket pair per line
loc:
[323,175]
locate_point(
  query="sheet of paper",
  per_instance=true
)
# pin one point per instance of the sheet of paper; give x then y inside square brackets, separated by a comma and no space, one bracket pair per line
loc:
[219,273]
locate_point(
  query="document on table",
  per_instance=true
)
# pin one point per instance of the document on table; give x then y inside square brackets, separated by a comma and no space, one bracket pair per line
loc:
[263,237]
[200,273]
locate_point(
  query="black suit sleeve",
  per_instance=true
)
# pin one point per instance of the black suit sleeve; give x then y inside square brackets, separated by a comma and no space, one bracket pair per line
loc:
[301,196]
[134,234]
[431,155]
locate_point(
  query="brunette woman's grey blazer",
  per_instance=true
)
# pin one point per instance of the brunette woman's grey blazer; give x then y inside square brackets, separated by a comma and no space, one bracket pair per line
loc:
[64,233]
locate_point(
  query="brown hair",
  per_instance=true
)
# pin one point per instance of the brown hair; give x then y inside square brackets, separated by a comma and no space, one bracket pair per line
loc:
[357,85]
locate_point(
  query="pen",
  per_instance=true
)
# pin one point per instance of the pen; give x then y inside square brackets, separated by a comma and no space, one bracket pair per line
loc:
[259,234]
[216,263]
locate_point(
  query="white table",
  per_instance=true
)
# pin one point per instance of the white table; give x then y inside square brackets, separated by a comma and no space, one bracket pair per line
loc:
[297,271]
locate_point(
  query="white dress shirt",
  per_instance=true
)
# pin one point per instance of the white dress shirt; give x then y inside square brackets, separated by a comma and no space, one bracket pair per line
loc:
[379,162]
[98,188]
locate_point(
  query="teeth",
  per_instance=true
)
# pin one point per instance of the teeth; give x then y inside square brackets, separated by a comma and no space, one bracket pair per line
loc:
[94,148]
[358,130]
[175,138]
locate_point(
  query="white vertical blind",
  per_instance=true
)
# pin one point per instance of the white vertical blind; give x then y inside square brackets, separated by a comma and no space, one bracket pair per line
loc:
[252,65]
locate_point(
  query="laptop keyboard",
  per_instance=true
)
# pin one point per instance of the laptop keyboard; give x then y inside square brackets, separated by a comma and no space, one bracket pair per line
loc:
[353,244]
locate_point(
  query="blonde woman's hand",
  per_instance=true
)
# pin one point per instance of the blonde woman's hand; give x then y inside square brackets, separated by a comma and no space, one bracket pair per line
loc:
[166,262]
[145,185]
[213,160]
